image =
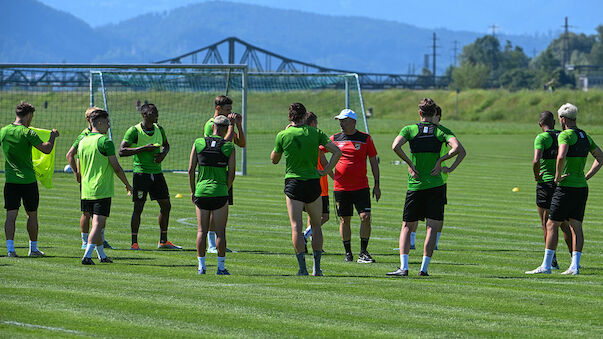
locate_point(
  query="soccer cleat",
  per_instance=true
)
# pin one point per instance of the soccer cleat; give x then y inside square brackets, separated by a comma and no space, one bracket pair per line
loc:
[349,257]
[555,265]
[212,250]
[302,272]
[36,254]
[168,246]
[317,273]
[228,250]
[87,261]
[365,258]
[539,270]
[571,271]
[106,245]
[12,254]
[201,271]
[106,260]
[135,247]
[399,272]
[222,272]
[423,274]
[412,247]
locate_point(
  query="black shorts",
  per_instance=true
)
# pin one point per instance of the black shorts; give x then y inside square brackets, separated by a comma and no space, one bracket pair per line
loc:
[210,203]
[345,200]
[325,204]
[97,206]
[428,203]
[13,193]
[230,197]
[303,190]
[153,184]
[568,203]
[544,194]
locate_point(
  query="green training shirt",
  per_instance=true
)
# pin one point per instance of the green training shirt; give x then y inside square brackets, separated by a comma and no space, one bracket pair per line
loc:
[425,151]
[548,162]
[97,173]
[17,141]
[444,150]
[208,129]
[79,138]
[212,181]
[580,144]
[300,147]
[136,136]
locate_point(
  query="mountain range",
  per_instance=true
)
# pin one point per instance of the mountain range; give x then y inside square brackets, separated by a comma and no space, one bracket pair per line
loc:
[34,32]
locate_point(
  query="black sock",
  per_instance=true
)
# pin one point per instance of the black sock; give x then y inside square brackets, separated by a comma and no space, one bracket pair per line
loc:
[348,246]
[301,261]
[163,237]
[317,255]
[363,244]
[134,238]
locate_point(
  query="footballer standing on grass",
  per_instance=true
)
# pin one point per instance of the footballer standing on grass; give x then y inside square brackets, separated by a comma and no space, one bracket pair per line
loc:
[299,143]
[426,194]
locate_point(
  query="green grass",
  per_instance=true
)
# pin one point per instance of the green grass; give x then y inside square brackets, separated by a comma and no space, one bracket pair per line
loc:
[477,287]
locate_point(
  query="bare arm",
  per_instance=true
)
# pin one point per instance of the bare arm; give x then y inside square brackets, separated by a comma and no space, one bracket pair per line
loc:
[119,172]
[71,160]
[275,157]
[125,150]
[563,148]
[598,154]
[536,164]
[375,169]
[46,147]
[456,150]
[161,155]
[331,147]
[324,162]
[239,137]
[397,148]
[192,166]
[232,165]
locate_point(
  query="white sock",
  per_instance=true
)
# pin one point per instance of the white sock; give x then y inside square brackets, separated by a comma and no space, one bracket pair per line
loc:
[425,263]
[89,249]
[404,261]
[308,232]
[413,235]
[221,263]
[100,251]
[10,245]
[84,238]
[438,239]
[103,234]
[211,238]
[201,263]
[33,246]
[547,262]
[575,260]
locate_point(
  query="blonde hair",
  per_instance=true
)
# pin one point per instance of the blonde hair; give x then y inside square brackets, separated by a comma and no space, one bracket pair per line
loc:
[90,110]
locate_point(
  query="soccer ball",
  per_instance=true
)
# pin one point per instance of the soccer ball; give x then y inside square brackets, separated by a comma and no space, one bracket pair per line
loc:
[67,169]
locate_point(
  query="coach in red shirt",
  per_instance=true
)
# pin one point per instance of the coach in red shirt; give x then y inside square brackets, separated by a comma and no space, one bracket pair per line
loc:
[351,188]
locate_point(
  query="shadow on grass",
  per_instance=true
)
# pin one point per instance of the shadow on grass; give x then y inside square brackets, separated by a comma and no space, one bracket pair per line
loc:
[159,265]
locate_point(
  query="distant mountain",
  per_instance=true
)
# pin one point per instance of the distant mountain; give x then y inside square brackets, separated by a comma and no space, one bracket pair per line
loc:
[353,43]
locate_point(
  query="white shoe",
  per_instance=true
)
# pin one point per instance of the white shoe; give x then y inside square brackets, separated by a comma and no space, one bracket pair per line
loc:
[571,271]
[212,250]
[539,270]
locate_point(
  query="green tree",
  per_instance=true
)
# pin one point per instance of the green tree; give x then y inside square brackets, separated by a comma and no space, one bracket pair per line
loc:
[470,76]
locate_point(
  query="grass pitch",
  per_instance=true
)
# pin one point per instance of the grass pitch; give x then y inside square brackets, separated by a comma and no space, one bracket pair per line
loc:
[477,286]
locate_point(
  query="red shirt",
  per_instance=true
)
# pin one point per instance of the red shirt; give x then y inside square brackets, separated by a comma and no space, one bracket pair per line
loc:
[350,172]
[324,182]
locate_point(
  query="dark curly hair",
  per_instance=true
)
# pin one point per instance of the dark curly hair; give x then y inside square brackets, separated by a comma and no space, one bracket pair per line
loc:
[297,112]
[427,107]
[24,108]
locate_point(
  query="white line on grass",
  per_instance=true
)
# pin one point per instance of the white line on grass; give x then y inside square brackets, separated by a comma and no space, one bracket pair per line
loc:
[56,329]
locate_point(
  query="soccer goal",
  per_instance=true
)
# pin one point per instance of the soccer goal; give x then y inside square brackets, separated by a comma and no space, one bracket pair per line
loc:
[184,96]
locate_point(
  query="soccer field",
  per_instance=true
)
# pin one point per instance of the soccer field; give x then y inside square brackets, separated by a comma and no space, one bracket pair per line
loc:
[477,286]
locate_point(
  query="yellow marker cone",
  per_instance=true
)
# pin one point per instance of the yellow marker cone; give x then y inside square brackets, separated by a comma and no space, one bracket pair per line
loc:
[515,189]
[178,195]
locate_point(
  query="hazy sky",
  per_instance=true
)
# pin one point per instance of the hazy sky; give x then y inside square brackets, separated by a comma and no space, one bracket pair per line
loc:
[511,16]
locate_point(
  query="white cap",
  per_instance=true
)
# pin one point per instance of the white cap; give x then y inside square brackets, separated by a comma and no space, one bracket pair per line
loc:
[568,111]
[347,113]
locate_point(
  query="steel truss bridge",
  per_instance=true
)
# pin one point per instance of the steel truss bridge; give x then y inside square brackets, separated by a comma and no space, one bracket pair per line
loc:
[228,51]
[260,60]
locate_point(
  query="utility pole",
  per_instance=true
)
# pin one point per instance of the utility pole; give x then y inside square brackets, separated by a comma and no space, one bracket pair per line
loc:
[494,27]
[565,44]
[434,60]
[455,49]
